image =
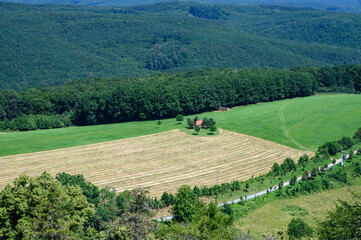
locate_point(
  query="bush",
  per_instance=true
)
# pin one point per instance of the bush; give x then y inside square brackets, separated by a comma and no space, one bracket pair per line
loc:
[345,142]
[297,228]
[357,136]
[331,148]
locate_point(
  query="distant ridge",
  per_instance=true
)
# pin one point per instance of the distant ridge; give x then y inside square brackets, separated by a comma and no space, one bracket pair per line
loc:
[332,5]
[47,45]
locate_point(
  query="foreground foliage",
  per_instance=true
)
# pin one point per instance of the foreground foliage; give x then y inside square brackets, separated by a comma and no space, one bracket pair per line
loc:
[344,222]
[41,208]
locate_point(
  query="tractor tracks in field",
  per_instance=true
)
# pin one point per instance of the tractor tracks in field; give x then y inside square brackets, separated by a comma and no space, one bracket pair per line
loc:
[285,129]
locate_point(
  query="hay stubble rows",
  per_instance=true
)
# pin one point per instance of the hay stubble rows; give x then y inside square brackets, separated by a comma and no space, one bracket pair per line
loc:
[160,162]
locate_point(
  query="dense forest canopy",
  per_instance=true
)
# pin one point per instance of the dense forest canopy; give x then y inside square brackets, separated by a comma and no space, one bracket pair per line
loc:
[334,5]
[46,45]
[112,100]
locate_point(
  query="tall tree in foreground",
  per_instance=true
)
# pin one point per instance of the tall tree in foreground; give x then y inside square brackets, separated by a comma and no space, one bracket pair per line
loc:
[136,222]
[41,208]
[185,204]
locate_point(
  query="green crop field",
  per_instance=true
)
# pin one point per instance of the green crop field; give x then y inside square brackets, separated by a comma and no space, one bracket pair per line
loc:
[299,123]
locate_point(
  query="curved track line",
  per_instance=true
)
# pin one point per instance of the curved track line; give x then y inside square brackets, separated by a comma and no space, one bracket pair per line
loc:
[285,129]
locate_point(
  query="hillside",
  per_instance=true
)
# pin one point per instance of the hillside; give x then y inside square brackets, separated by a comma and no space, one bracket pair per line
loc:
[46,45]
[307,121]
[334,5]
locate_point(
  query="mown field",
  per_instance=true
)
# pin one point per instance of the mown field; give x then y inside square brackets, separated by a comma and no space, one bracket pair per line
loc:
[302,123]
[278,214]
[160,162]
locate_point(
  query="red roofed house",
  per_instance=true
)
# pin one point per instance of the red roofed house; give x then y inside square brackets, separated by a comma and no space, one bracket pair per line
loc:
[199,123]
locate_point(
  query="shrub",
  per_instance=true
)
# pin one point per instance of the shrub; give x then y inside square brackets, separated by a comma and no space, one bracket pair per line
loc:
[357,136]
[297,228]
[345,142]
[331,148]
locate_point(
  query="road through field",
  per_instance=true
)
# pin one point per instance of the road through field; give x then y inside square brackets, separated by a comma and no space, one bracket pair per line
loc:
[338,161]
[160,162]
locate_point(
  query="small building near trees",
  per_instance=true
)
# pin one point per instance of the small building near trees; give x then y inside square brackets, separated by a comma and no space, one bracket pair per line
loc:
[224,109]
[198,123]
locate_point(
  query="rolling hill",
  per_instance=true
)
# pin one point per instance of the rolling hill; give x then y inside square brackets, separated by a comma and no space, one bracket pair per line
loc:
[334,5]
[46,45]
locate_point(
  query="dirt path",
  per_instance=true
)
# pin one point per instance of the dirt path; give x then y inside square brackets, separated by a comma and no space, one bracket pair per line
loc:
[285,129]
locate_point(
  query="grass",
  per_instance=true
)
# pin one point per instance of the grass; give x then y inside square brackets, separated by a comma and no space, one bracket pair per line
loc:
[300,122]
[160,162]
[297,122]
[278,214]
[43,140]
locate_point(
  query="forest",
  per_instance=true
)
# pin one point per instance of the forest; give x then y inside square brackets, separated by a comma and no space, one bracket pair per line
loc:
[113,100]
[334,5]
[47,45]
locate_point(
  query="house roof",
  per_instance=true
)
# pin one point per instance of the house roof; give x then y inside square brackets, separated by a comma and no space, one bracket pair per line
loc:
[199,122]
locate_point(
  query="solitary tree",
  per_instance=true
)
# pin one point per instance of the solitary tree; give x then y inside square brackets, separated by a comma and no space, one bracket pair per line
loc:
[159,123]
[213,129]
[180,118]
[197,129]
[190,123]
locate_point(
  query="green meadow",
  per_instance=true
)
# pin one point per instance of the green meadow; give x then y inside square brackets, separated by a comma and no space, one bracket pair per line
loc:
[302,123]
[310,208]
[309,121]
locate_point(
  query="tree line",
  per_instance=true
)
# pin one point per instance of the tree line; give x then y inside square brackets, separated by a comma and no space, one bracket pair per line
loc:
[113,100]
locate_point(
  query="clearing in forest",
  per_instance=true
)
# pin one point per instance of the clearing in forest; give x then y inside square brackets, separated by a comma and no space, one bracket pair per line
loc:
[160,162]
